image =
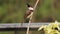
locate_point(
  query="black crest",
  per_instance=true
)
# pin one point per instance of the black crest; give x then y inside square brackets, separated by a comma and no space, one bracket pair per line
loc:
[28,5]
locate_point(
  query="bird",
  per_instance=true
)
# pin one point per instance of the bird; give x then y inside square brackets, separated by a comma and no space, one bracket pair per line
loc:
[30,7]
[29,12]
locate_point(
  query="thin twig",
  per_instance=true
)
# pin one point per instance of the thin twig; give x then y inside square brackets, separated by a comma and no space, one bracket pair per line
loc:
[31,17]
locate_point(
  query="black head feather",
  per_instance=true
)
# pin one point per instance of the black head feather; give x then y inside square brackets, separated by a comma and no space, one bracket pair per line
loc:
[28,5]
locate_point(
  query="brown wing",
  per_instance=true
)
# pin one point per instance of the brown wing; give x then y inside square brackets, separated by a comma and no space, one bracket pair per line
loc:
[27,14]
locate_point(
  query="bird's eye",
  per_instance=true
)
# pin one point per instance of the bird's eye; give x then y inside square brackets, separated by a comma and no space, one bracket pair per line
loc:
[56,28]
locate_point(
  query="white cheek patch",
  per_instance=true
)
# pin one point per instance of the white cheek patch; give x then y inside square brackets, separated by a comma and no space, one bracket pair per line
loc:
[30,8]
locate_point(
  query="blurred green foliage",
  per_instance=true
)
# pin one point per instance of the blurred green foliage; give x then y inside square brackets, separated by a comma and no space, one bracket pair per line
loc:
[12,11]
[46,8]
[6,32]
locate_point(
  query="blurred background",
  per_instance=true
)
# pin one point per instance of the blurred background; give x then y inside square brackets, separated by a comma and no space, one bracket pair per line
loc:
[13,11]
